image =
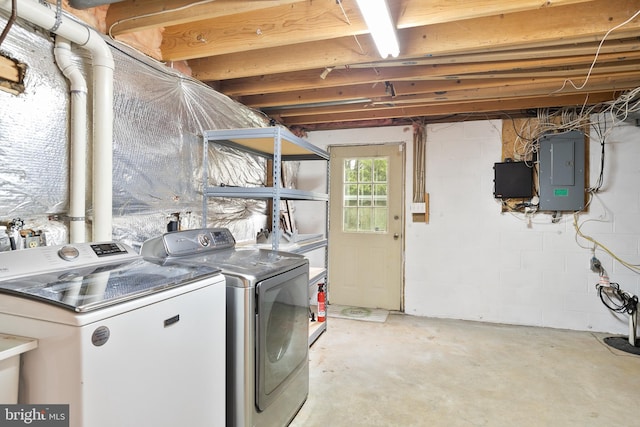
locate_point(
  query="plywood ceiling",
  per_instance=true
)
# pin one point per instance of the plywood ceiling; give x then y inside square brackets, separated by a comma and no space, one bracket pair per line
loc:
[312,64]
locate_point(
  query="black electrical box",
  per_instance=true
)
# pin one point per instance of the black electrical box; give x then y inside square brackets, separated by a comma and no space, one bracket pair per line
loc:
[512,180]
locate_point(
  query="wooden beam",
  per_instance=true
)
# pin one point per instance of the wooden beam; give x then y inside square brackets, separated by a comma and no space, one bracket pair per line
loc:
[510,54]
[12,75]
[405,91]
[541,27]
[135,15]
[416,13]
[289,24]
[268,28]
[9,70]
[560,26]
[454,109]
[303,56]
[550,89]
[462,96]
[607,68]
[346,93]
[311,79]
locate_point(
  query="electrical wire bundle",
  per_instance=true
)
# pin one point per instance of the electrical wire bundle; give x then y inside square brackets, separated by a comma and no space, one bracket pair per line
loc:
[617,300]
[614,298]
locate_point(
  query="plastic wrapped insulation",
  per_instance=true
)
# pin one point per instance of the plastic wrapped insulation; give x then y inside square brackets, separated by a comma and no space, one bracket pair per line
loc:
[159,117]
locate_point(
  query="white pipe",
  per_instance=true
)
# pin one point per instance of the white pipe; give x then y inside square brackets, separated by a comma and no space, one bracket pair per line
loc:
[43,15]
[633,327]
[102,150]
[77,138]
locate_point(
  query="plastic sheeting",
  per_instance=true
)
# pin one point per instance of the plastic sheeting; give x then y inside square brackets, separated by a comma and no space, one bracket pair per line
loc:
[159,116]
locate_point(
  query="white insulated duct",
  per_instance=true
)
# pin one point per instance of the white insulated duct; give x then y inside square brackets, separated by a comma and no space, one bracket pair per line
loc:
[44,16]
[77,139]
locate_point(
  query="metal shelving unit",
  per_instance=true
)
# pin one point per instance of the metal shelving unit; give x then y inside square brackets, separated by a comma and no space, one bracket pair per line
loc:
[277,144]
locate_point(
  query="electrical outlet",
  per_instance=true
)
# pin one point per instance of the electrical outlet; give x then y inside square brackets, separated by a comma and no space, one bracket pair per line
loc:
[34,241]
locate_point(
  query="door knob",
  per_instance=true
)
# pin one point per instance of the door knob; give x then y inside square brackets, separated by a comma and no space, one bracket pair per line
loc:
[395,236]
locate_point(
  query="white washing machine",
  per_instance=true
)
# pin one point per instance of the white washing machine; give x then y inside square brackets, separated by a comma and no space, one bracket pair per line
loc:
[121,340]
[267,322]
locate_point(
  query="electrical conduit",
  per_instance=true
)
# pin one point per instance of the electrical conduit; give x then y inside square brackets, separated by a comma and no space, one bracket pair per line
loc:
[102,60]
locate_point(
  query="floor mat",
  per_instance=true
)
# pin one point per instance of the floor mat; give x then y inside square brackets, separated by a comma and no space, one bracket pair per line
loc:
[357,313]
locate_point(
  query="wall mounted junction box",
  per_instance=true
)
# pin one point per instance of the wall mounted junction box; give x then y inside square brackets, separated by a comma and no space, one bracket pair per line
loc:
[512,180]
[562,171]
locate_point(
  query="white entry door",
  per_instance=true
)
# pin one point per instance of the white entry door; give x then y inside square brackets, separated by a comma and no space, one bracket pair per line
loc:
[366,225]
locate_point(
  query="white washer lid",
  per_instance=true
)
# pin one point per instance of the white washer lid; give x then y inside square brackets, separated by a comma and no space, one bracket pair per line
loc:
[89,288]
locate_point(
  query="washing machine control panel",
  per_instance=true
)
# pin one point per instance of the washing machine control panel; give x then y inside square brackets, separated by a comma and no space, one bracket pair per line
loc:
[191,242]
[108,249]
[43,259]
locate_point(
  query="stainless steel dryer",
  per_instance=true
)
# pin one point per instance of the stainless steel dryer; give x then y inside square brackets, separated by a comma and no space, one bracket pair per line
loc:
[267,322]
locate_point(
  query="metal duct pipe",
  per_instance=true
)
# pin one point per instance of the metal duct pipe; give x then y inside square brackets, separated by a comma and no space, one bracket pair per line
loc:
[43,16]
[77,139]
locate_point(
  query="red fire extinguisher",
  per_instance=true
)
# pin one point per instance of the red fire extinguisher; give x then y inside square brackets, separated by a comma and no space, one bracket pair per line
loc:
[322,313]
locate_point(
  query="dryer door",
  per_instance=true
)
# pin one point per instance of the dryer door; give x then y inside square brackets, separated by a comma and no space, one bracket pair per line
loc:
[282,327]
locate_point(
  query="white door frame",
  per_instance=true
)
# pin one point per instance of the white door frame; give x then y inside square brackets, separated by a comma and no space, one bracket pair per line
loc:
[337,198]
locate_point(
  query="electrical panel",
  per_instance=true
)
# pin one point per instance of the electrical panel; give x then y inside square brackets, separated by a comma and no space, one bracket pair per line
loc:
[562,171]
[512,180]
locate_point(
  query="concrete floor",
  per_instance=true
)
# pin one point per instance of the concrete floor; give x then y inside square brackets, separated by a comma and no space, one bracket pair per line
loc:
[416,371]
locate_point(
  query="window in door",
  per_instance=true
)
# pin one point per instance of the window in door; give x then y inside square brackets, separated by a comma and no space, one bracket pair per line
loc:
[364,205]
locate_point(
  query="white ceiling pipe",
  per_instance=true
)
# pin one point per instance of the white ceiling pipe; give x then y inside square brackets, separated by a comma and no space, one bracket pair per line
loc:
[44,15]
[77,139]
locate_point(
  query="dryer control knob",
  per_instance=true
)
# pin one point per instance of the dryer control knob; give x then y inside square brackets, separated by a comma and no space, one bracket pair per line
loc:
[204,240]
[68,253]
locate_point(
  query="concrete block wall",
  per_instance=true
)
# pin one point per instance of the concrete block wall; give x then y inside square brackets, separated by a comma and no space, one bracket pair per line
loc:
[474,262]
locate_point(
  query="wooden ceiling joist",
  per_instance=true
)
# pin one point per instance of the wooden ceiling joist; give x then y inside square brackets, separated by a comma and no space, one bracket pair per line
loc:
[309,62]
[462,96]
[530,29]
[131,15]
[404,91]
[454,109]
[301,80]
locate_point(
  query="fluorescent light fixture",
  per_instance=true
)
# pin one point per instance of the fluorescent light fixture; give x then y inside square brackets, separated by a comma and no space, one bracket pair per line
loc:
[378,18]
